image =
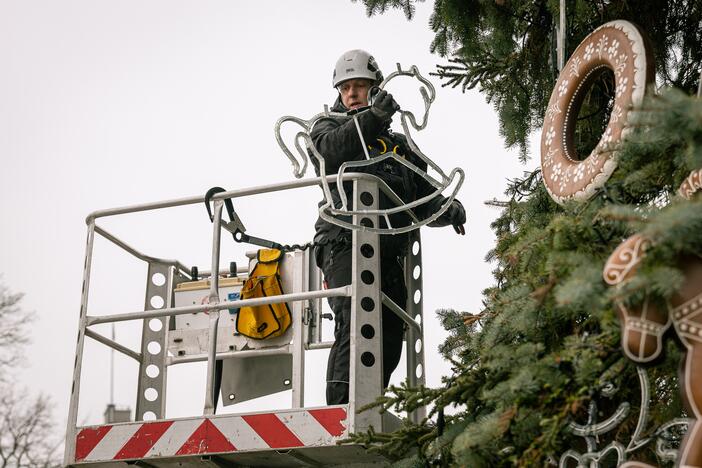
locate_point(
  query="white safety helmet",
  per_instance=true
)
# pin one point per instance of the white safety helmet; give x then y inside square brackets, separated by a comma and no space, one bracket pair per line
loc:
[356,63]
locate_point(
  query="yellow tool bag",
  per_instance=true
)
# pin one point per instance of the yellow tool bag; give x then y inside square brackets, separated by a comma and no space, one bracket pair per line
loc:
[269,320]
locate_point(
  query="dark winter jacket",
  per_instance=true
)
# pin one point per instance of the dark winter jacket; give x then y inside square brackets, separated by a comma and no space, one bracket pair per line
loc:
[336,139]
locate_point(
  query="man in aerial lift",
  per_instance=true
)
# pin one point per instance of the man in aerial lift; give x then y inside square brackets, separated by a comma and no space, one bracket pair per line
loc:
[356,76]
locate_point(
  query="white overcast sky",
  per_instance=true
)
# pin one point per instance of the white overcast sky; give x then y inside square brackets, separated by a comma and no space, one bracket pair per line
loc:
[111,103]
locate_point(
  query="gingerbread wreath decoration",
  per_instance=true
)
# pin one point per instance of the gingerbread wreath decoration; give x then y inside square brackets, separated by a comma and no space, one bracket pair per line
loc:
[643,326]
[621,47]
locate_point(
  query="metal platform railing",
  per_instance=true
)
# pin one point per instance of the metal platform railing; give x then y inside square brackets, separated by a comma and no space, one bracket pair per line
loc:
[366,298]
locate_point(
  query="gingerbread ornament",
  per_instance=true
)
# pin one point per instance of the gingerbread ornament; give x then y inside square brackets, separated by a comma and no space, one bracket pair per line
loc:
[643,326]
[691,185]
[620,47]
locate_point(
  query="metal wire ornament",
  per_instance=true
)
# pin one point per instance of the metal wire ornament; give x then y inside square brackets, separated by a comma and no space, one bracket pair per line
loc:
[331,213]
[592,430]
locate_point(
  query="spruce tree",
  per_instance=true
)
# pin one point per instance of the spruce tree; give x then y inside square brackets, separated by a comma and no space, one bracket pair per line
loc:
[546,345]
[506,48]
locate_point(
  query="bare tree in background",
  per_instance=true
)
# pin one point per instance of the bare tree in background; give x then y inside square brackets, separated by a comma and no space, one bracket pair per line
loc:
[28,434]
[13,333]
[27,431]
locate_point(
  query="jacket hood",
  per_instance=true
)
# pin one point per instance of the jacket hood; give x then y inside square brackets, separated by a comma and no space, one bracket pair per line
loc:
[338,106]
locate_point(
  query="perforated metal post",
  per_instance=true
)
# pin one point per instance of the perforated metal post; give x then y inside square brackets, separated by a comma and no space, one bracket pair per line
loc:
[151,391]
[415,340]
[366,364]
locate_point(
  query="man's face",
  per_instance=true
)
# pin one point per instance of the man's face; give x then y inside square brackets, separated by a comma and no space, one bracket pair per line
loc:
[354,92]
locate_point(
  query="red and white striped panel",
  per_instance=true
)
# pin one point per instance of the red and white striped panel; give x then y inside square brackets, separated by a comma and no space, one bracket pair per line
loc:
[217,434]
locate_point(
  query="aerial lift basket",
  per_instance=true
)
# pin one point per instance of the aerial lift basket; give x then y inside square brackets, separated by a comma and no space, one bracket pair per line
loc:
[185,327]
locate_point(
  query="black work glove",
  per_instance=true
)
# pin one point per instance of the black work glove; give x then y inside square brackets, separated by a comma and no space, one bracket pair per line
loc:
[384,105]
[456,215]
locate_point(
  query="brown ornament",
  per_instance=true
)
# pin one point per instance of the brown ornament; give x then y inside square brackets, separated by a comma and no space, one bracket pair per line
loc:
[643,328]
[691,185]
[686,312]
[620,47]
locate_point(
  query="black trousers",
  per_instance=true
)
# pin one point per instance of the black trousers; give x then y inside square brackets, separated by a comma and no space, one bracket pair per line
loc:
[335,262]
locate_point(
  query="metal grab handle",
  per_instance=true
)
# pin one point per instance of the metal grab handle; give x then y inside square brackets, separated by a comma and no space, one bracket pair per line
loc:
[214,317]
